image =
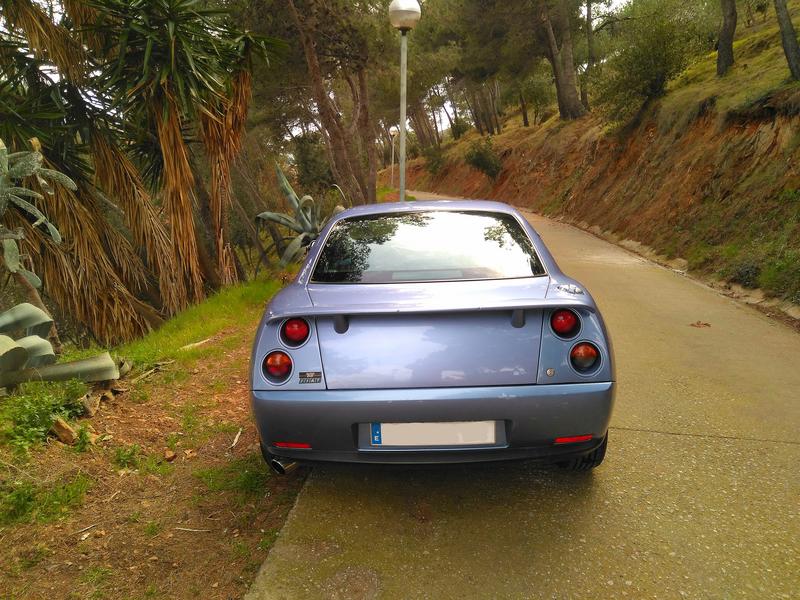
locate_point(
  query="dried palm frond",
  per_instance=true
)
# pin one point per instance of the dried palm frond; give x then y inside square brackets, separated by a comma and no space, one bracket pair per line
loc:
[222,135]
[116,174]
[215,137]
[177,190]
[80,277]
[83,17]
[47,40]
[236,117]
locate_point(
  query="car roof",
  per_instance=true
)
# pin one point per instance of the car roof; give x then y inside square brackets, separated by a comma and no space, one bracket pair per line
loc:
[422,205]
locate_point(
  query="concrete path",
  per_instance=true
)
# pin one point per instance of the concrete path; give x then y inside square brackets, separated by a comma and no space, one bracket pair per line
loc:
[698,496]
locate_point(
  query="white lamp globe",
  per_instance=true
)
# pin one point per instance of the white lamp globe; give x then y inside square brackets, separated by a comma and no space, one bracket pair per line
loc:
[404,14]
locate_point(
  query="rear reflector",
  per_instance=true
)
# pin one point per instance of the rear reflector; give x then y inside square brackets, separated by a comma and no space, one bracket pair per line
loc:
[293,445]
[573,439]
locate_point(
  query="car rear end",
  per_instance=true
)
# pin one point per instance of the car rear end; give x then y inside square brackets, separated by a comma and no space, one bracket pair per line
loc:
[427,371]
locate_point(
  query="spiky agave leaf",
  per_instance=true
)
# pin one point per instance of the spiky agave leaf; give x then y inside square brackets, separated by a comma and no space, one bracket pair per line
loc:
[11,255]
[295,249]
[281,219]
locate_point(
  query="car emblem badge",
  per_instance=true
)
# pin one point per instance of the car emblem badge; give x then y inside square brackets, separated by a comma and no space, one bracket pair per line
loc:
[310,377]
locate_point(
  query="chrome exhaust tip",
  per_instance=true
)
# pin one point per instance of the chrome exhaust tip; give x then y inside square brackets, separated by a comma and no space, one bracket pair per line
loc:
[282,466]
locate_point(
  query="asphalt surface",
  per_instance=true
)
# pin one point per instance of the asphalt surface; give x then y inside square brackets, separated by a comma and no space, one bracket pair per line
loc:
[698,496]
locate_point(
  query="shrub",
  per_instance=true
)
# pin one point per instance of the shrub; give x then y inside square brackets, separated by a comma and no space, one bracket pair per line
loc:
[434,159]
[653,46]
[481,156]
[459,127]
[782,276]
[745,273]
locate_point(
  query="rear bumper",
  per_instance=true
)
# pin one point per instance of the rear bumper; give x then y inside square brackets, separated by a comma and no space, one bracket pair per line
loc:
[332,421]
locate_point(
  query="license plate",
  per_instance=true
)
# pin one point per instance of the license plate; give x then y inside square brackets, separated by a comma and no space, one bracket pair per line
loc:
[462,433]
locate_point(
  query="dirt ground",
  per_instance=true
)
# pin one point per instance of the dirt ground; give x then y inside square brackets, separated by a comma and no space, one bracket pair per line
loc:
[197,526]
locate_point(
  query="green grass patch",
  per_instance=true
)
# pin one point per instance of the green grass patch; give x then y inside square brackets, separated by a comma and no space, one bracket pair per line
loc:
[25,501]
[27,416]
[152,529]
[131,457]
[96,575]
[246,477]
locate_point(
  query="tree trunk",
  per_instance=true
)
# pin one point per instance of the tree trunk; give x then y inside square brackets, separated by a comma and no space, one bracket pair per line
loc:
[727,31]
[202,222]
[591,57]
[562,62]
[789,38]
[486,113]
[367,137]
[473,108]
[523,107]
[327,113]
[494,99]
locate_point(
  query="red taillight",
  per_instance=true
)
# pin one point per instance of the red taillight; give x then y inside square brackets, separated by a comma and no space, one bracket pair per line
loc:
[295,332]
[277,366]
[292,445]
[584,357]
[573,439]
[565,323]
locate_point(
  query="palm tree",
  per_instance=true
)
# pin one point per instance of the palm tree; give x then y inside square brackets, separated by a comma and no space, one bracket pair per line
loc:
[115,91]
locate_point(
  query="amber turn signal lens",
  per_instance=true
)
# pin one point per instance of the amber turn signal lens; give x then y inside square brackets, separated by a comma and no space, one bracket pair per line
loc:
[565,323]
[295,332]
[277,366]
[584,357]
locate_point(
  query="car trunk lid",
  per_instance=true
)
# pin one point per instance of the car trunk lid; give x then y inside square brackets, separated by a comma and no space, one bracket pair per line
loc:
[441,334]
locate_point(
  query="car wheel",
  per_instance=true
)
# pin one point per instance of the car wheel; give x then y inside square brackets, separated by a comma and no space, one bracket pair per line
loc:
[587,462]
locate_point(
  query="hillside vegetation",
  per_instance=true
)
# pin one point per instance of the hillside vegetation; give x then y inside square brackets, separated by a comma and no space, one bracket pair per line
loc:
[708,173]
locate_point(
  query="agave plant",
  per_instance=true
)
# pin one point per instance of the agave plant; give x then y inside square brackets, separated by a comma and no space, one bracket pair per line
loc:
[31,357]
[306,221]
[16,167]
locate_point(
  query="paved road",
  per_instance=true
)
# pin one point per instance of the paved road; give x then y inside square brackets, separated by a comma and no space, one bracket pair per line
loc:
[698,496]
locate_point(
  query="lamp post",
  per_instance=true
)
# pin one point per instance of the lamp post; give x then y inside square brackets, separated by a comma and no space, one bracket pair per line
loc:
[393,133]
[403,15]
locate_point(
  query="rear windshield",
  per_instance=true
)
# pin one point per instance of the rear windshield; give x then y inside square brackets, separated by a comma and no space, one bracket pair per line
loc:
[427,246]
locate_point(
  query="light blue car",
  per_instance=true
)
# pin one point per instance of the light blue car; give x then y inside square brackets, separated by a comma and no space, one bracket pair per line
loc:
[432,332]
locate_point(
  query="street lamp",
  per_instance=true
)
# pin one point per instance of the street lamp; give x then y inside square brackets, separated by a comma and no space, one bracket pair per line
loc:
[393,131]
[403,15]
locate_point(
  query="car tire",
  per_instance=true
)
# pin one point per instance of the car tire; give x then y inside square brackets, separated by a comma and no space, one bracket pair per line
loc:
[587,462]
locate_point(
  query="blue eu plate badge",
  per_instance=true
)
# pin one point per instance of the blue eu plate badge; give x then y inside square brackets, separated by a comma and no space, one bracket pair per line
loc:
[375,434]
